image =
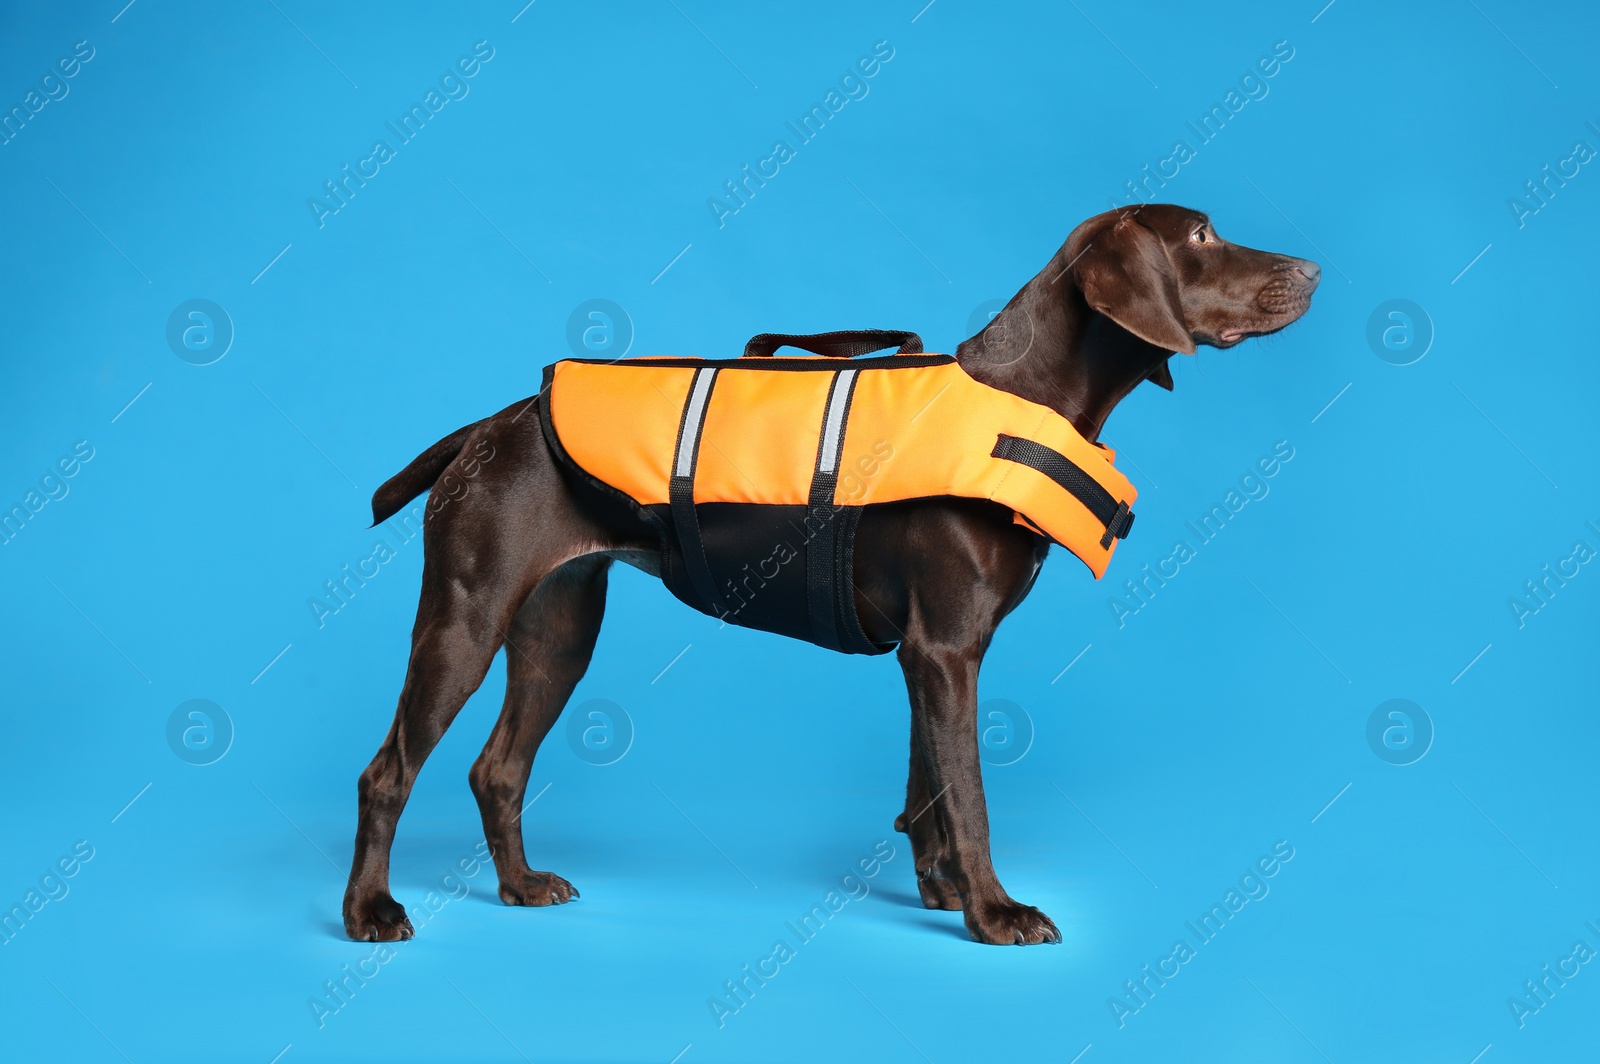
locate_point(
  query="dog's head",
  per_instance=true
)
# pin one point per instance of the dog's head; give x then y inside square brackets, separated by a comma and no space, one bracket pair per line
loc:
[1162,273]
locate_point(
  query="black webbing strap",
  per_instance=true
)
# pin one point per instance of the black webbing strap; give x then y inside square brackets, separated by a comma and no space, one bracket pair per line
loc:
[680,491]
[1115,515]
[828,589]
[847,343]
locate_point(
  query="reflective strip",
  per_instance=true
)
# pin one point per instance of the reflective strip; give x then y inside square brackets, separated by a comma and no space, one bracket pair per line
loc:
[832,427]
[693,416]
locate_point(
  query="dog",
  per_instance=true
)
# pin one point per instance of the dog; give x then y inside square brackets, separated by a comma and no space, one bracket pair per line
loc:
[523,563]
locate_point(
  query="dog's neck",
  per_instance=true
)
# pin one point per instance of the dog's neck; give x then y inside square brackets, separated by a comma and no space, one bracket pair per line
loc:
[1050,347]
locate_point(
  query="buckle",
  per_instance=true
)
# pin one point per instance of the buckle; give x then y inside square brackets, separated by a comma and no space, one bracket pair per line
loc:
[1119,526]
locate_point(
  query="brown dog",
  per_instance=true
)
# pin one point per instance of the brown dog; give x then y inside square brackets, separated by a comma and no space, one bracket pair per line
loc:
[523,563]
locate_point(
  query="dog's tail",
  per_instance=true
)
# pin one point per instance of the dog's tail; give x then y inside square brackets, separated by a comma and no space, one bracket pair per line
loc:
[419,476]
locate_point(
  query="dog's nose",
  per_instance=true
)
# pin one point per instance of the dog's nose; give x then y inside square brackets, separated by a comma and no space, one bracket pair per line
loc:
[1309,270]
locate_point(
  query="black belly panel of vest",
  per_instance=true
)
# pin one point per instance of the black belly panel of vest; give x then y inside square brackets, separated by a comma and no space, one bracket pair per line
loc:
[763,563]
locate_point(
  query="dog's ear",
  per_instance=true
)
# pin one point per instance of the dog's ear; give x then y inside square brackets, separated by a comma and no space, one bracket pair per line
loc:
[1125,275]
[1161,375]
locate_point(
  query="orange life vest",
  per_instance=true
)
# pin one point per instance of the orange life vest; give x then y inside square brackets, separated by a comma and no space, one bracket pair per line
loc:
[756,470]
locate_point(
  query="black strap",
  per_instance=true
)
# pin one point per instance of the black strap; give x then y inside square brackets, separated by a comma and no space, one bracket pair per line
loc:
[852,637]
[680,491]
[844,344]
[1107,509]
[822,535]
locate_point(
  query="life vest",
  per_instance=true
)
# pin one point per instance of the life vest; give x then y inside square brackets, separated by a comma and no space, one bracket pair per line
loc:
[755,471]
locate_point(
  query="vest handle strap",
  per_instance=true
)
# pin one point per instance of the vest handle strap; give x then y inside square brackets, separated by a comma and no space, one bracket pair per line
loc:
[847,343]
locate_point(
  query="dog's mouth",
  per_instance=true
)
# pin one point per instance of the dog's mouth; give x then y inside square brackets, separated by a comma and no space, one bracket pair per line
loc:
[1278,305]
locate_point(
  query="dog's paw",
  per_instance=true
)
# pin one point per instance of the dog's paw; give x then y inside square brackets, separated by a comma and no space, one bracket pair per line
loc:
[379,919]
[537,888]
[938,892]
[1011,924]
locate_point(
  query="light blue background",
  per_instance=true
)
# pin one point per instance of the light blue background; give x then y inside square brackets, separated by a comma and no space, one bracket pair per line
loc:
[1224,716]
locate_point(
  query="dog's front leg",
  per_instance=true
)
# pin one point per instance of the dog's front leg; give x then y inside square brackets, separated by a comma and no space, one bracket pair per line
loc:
[929,853]
[943,683]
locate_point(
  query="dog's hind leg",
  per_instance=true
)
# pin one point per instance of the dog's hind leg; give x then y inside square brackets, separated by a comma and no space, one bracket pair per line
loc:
[457,632]
[547,651]
[484,556]
[929,850]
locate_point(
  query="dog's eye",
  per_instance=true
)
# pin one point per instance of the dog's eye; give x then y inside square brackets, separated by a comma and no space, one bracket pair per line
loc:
[1200,236]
